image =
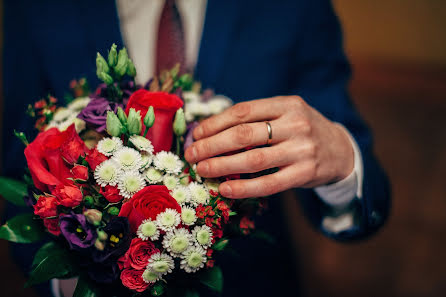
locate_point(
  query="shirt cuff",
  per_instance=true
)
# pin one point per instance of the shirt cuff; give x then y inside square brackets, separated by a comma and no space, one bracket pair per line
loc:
[339,195]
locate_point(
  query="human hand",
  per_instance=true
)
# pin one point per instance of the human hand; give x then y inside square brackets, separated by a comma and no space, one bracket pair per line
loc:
[308,149]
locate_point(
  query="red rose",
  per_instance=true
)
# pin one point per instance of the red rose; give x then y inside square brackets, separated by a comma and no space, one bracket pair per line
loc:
[147,204]
[132,279]
[111,194]
[46,206]
[52,225]
[94,158]
[123,262]
[139,253]
[165,106]
[69,196]
[45,157]
[80,172]
[73,148]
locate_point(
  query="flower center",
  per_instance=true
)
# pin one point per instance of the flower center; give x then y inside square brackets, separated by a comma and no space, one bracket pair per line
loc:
[149,276]
[148,229]
[160,266]
[194,259]
[202,237]
[179,244]
[131,184]
[108,145]
[168,219]
[127,159]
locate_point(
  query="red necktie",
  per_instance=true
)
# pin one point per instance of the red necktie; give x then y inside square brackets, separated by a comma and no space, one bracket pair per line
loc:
[170,47]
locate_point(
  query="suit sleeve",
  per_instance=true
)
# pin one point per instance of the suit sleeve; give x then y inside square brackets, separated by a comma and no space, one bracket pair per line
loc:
[321,77]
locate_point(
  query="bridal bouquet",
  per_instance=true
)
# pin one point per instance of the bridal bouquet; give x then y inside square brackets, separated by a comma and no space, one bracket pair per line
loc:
[111,192]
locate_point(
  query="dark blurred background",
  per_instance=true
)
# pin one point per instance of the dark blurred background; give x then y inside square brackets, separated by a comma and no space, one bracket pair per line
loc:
[398,53]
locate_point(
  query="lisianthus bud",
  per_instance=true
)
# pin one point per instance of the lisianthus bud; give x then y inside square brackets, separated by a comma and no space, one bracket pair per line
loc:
[131,70]
[121,66]
[112,56]
[122,116]
[102,235]
[114,126]
[99,245]
[114,211]
[101,64]
[179,124]
[149,119]
[105,78]
[88,201]
[93,216]
[134,122]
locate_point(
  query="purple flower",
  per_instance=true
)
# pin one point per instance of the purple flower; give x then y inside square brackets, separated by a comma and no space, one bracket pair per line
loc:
[118,241]
[77,231]
[95,113]
[189,137]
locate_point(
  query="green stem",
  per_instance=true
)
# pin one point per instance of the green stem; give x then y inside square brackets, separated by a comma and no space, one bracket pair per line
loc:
[145,131]
[178,145]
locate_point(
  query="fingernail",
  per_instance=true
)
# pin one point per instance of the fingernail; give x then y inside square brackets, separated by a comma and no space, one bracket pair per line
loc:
[203,168]
[198,132]
[226,190]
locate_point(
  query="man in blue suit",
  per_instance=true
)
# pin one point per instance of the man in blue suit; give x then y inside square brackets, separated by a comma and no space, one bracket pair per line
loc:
[245,50]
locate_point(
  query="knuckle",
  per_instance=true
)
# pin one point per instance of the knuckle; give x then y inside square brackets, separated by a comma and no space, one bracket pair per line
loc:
[311,150]
[241,110]
[271,186]
[203,148]
[243,134]
[257,160]
[295,101]
[304,126]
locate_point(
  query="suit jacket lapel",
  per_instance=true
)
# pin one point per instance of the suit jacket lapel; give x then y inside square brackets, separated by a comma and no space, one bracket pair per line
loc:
[220,23]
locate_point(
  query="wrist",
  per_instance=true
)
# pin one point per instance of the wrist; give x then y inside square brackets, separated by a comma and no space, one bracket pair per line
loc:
[345,155]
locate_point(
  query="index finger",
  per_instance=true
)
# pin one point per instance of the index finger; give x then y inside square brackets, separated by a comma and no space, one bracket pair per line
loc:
[245,112]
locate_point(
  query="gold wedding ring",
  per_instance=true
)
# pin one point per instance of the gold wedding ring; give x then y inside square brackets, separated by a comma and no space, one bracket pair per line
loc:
[270,133]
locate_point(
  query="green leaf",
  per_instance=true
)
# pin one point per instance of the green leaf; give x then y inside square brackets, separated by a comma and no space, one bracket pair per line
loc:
[51,261]
[221,244]
[213,278]
[13,190]
[157,289]
[84,289]
[22,229]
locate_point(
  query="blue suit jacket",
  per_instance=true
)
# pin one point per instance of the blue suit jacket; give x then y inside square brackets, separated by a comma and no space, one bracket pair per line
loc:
[249,49]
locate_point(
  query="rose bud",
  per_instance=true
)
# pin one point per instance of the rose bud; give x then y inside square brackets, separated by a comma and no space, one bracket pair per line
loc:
[80,173]
[99,245]
[114,211]
[134,122]
[179,124]
[121,66]
[112,56]
[122,116]
[93,216]
[131,70]
[114,126]
[101,65]
[149,119]
[105,77]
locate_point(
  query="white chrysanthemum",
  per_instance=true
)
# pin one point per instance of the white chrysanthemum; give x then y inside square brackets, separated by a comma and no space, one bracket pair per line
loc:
[153,175]
[141,143]
[146,160]
[161,263]
[62,114]
[181,194]
[149,276]
[218,103]
[177,241]
[188,215]
[197,177]
[79,103]
[202,235]
[129,183]
[128,158]
[168,161]
[108,146]
[148,230]
[107,173]
[199,194]
[171,181]
[191,97]
[193,259]
[184,179]
[198,109]
[168,219]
